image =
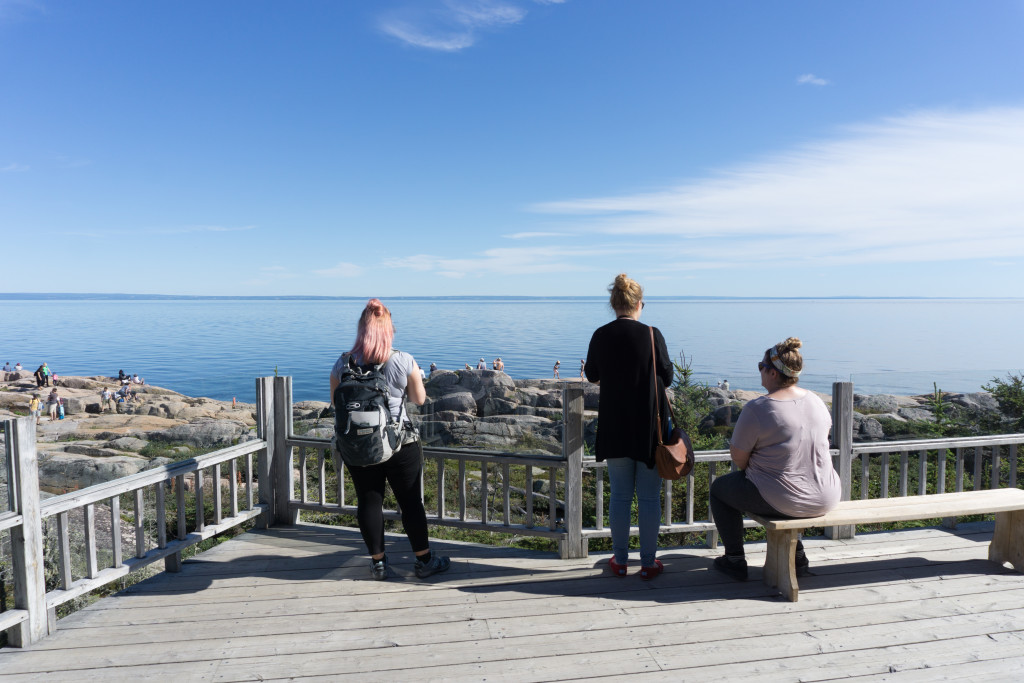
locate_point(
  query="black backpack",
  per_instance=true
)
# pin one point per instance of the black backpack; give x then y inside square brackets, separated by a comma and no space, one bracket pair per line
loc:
[364,431]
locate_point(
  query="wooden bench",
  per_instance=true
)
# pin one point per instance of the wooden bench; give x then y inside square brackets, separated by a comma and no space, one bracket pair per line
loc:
[1007,540]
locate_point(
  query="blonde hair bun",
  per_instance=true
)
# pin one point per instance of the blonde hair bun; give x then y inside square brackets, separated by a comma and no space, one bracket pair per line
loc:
[626,293]
[791,344]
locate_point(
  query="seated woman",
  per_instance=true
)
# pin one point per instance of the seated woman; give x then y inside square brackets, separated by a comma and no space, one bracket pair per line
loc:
[780,445]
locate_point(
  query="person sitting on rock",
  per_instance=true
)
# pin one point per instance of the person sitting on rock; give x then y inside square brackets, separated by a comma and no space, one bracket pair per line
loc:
[433,367]
[17,367]
[7,367]
[481,364]
[137,380]
[121,375]
[467,367]
[499,364]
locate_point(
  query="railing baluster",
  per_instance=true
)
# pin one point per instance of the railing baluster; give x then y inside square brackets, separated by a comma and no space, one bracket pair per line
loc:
[1013,466]
[180,499]
[303,475]
[64,543]
[321,455]
[440,488]
[115,531]
[922,472]
[161,515]
[200,502]
[140,528]
[339,467]
[865,461]
[483,492]
[507,511]
[248,478]
[690,495]
[978,457]
[884,489]
[599,497]
[216,494]
[89,522]
[666,509]
[529,496]
[711,536]
[552,493]
[996,475]
[462,489]
[940,470]
[904,472]
[233,486]
[959,469]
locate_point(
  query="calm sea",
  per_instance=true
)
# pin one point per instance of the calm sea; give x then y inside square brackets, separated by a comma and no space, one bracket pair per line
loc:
[216,348]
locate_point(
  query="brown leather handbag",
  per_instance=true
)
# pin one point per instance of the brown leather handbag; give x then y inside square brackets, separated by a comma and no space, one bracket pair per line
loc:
[674,458]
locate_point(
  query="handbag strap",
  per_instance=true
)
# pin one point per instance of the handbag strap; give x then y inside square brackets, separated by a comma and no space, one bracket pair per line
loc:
[657,394]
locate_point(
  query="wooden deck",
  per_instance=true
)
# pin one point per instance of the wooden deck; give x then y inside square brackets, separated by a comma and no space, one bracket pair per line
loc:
[915,605]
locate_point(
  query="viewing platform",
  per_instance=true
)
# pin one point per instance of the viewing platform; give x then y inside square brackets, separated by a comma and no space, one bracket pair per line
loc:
[290,599]
[298,602]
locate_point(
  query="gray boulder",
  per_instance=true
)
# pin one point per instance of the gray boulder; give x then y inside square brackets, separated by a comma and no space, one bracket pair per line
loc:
[127,443]
[916,414]
[205,433]
[875,403]
[70,471]
[981,401]
[461,402]
[867,429]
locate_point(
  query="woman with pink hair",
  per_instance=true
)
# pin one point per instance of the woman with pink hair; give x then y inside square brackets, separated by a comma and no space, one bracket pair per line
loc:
[403,470]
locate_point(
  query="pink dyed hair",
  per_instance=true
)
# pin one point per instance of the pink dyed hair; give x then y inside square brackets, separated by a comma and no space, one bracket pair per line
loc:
[375,334]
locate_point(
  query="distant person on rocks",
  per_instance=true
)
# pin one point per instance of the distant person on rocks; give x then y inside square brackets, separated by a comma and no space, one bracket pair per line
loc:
[467,367]
[121,375]
[780,449]
[403,470]
[558,364]
[33,407]
[499,364]
[46,374]
[52,401]
[623,363]
[17,367]
[137,380]
[433,368]
[56,379]
[40,376]
[7,367]
[481,364]
[725,385]
[583,365]
[107,399]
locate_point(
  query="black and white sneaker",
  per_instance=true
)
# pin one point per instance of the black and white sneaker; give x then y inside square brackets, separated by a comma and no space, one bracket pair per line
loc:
[379,568]
[435,565]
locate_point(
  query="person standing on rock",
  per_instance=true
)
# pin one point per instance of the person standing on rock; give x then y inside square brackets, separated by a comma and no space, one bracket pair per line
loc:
[558,364]
[107,399]
[33,407]
[403,469]
[52,401]
[620,360]
[40,377]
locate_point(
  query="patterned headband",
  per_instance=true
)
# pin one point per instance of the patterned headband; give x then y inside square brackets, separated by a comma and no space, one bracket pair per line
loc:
[773,355]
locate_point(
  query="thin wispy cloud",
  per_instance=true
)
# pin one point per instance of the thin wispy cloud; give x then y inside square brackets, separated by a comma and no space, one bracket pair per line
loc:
[811,79]
[13,168]
[449,25]
[342,269]
[533,260]
[926,187]
[174,230]
[533,235]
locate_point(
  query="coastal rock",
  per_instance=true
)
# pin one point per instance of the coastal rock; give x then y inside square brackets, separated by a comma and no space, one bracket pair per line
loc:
[876,403]
[127,443]
[74,406]
[462,402]
[61,472]
[981,401]
[916,414]
[205,433]
[867,429]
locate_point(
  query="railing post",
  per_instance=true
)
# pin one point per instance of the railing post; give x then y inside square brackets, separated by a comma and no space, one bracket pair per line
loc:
[574,545]
[27,538]
[265,428]
[284,478]
[842,437]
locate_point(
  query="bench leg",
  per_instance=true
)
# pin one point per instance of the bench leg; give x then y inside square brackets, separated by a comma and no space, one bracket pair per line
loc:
[1008,539]
[780,565]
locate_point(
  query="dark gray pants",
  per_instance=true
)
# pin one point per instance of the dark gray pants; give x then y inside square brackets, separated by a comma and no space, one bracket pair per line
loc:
[732,495]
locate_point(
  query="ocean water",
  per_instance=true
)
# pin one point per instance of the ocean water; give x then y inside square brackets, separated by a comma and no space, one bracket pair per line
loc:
[217,348]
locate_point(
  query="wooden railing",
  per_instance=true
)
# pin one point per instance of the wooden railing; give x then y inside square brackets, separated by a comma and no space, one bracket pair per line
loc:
[298,473]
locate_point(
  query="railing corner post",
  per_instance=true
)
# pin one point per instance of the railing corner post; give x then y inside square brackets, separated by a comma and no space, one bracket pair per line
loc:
[283,475]
[842,437]
[27,539]
[265,430]
[574,545]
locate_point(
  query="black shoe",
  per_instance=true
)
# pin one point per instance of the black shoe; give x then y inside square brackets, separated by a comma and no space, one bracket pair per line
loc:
[436,565]
[736,569]
[803,565]
[379,568]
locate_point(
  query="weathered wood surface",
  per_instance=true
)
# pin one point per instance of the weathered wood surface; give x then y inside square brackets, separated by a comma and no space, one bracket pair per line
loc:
[922,604]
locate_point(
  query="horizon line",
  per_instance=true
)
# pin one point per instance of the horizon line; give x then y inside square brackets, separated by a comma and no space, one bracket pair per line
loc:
[108,296]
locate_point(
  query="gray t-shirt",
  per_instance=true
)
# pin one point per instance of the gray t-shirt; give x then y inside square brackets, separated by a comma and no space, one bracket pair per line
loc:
[789,460]
[396,371]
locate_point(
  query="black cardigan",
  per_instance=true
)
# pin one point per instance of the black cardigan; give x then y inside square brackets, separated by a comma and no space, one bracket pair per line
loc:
[619,358]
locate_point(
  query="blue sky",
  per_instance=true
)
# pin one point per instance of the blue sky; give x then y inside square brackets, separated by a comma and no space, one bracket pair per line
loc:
[512,147]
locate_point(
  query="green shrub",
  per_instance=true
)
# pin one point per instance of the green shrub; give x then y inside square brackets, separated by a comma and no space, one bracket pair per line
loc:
[1010,395]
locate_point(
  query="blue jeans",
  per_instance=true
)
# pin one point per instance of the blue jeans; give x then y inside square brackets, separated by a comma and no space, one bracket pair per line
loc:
[627,476]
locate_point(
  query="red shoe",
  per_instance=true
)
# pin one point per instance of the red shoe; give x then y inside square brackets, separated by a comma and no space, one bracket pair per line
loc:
[648,573]
[617,569]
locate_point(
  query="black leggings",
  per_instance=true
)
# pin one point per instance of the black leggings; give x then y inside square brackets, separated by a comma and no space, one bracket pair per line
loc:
[731,495]
[402,471]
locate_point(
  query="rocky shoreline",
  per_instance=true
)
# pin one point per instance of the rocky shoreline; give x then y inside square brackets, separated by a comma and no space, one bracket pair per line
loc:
[474,409]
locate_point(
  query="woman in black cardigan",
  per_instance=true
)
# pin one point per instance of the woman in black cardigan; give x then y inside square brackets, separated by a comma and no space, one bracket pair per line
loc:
[619,359]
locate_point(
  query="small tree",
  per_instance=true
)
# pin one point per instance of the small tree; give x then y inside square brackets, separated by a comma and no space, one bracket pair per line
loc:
[1010,395]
